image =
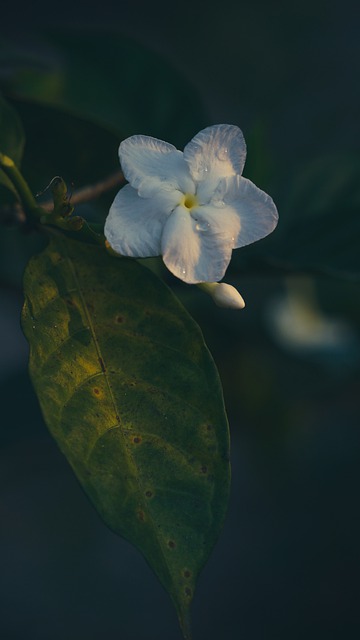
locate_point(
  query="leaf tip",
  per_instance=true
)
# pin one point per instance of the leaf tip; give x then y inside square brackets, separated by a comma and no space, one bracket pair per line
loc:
[185,623]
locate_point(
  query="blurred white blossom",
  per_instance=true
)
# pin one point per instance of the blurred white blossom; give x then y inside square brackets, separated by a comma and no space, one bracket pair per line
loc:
[299,325]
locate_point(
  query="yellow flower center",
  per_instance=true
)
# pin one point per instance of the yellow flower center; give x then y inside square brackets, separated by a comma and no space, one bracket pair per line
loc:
[189,201]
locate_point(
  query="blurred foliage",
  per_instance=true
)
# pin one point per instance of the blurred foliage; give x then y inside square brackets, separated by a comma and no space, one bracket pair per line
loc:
[59,143]
[12,133]
[105,79]
[12,144]
[319,225]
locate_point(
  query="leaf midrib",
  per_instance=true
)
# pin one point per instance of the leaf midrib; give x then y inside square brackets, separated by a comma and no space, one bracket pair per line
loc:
[113,401]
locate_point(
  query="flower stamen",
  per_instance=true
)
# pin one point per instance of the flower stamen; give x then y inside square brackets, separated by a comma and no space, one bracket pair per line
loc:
[189,201]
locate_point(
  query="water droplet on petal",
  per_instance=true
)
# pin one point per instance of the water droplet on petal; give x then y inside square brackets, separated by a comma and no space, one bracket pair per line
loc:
[183,271]
[202,226]
[202,170]
[222,154]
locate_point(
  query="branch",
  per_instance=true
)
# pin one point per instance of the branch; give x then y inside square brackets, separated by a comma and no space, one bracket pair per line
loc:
[58,212]
[92,191]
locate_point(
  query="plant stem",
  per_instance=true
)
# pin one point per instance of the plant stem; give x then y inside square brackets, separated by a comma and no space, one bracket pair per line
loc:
[27,199]
[46,214]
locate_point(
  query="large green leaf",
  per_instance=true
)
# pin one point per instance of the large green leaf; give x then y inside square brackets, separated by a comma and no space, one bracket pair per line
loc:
[106,79]
[130,393]
[12,141]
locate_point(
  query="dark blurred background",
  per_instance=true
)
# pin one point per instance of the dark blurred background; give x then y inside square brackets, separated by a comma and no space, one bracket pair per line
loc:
[287,562]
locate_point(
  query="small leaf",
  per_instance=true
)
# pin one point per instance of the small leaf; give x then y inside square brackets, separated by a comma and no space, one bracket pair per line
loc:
[130,393]
[12,141]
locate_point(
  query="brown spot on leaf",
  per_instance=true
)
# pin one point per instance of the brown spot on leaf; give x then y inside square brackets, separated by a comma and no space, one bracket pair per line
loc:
[141,515]
[188,592]
[119,319]
[171,544]
[148,494]
[136,440]
[207,431]
[96,391]
[204,469]
[187,573]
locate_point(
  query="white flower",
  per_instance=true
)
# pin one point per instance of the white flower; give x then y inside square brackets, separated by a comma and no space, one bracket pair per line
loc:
[192,208]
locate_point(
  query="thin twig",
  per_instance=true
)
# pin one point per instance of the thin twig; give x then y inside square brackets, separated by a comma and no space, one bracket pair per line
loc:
[92,191]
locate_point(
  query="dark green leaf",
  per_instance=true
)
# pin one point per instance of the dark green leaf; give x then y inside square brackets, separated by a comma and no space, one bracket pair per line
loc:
[12,137]
[61,144]
[12,141]
[108,80]
[130,393]
[319,225]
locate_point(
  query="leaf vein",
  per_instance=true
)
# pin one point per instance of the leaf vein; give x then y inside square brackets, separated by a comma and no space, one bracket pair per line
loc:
[151,385]
[61,345]
[99,353]
[59,296]
[78,387]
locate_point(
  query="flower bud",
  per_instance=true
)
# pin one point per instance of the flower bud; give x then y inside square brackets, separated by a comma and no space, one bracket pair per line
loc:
[224,295]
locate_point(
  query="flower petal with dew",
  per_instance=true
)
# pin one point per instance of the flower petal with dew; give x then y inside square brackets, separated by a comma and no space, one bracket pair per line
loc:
[193,208]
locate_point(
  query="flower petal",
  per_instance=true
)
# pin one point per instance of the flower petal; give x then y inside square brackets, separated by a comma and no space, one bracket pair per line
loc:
[214,153]
[217,219]
[134,225]
[193,252]
[256,212]
[150,164]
